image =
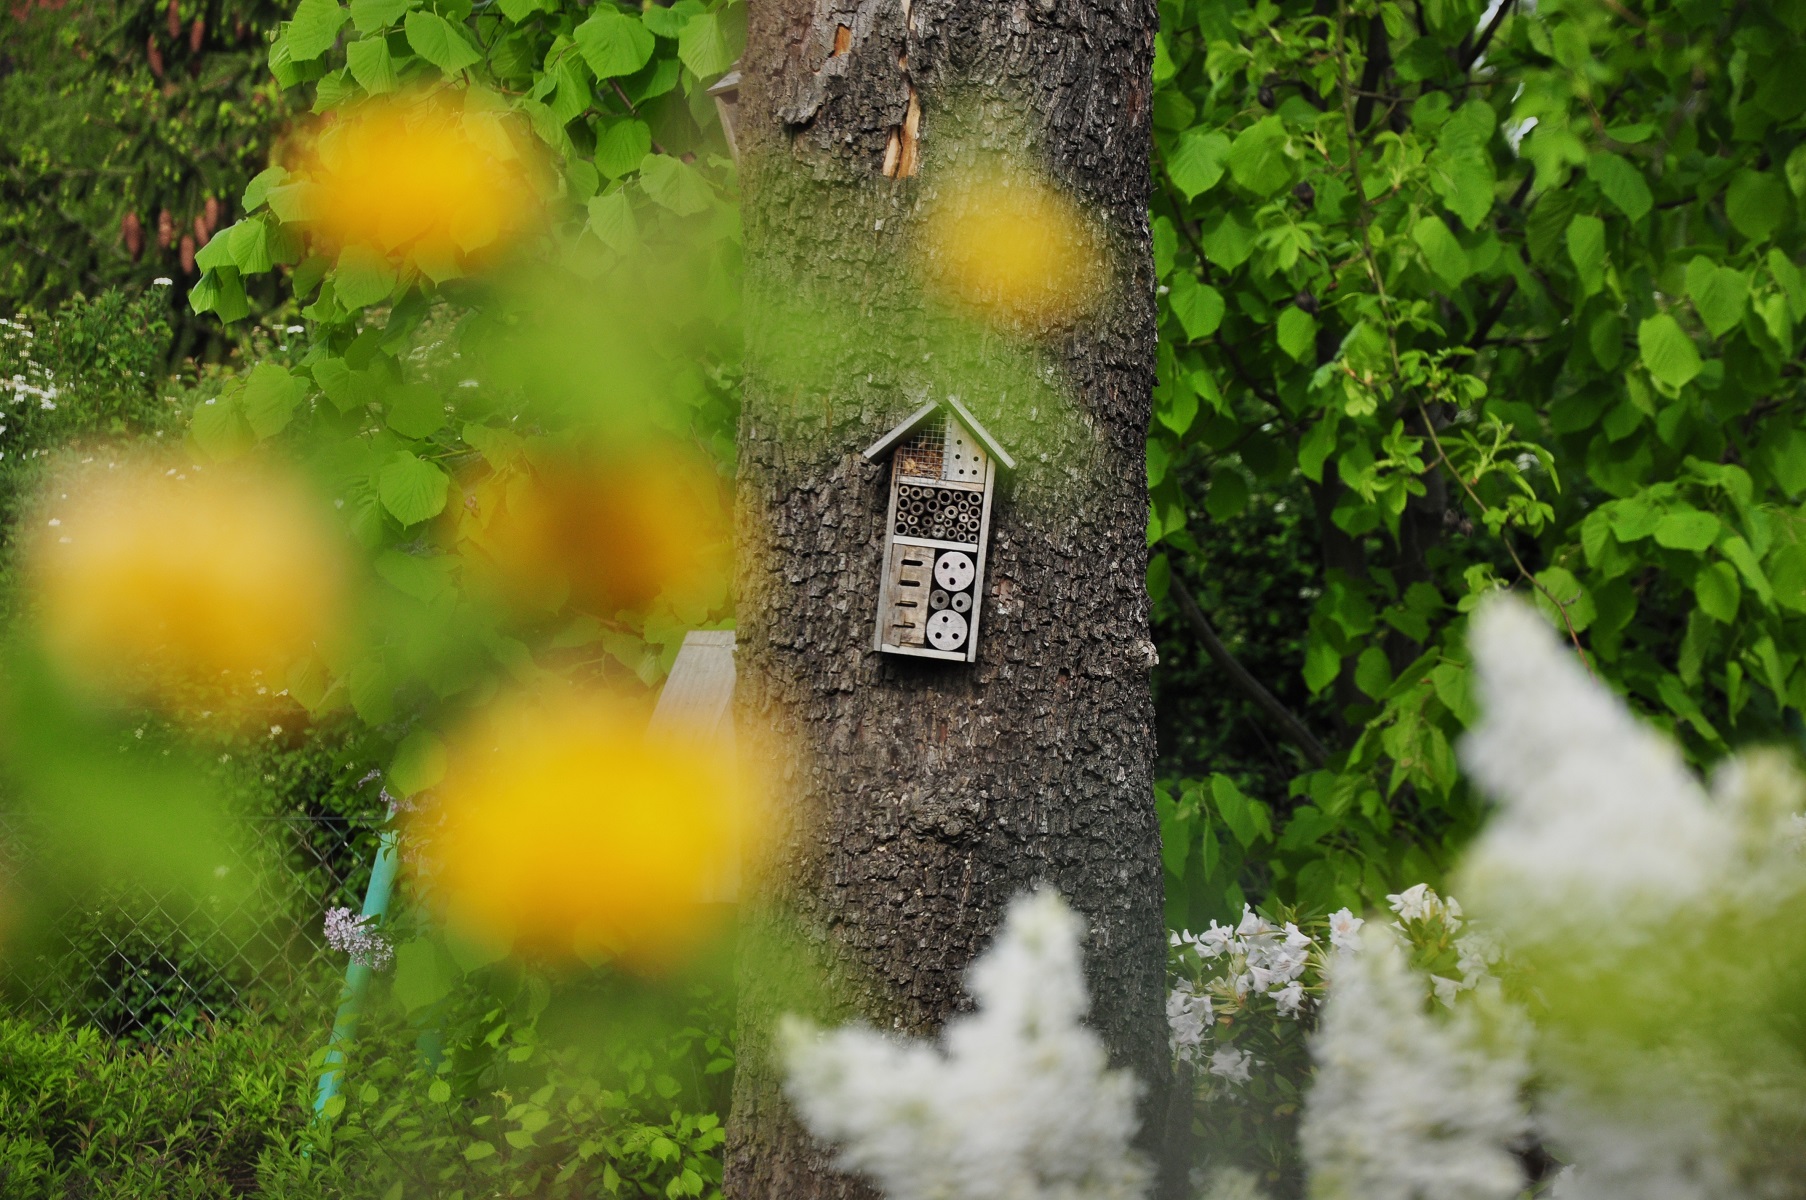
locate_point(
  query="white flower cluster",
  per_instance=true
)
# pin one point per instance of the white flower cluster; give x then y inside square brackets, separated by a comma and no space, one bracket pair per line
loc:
[1407,1104]
[1597,813]
[35,381]
[351,934]
[1019,1105]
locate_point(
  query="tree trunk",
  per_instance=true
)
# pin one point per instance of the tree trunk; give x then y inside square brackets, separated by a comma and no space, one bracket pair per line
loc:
[918,797]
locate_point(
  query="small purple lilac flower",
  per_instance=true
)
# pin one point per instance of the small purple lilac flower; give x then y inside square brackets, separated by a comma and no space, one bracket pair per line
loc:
[349,934]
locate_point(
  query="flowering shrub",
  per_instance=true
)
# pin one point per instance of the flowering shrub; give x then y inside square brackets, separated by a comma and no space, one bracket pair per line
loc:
[1019,1105]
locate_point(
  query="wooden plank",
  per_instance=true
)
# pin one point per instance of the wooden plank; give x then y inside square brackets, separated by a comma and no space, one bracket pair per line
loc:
[698,698]
[984,543]
[898,432]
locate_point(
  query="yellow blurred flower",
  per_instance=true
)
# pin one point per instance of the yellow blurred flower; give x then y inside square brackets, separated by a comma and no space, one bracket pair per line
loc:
[1012,247]
[431,180]
[563,825]
[151,580]
[610,532]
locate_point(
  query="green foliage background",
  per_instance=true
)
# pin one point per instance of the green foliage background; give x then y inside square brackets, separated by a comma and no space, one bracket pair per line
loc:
[1454,297]
[1498,297]
[117,109]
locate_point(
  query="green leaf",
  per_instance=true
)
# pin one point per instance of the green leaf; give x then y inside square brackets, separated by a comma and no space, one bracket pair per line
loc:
[1228,240]
[425,578]
[314,29]
[706,46]
[371,65]
[622,146]
[412,489]
[415,410]
[669,22]
[1258,160]
[424,977]
[1687,529]
[219,428]
[419,763]
[1176,407]
[1622,184]
[270,397]
[1667,350]
[258,190]
[1197,161]
[439,1091]
[1586,247]
[1756,203]
[371,15]
[613,43]
[611,220]
[1246,817]
[1715,587]
[1576,606]
[1198,306]
[1228,494]
[372,692]
[440,42]
[675,184]
[1720,294]
[363,277]
[1440,249]
[1297,332]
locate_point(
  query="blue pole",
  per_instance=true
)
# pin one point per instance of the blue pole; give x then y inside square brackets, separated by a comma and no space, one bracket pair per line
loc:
[357,975]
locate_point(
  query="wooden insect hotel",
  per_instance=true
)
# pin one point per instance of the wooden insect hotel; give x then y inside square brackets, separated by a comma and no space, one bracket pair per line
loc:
[943,474]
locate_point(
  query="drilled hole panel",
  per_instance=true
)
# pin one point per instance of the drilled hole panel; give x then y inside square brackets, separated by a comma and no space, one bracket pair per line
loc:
[944,514]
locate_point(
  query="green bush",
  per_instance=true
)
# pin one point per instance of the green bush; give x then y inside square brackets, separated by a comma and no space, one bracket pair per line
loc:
[82,1117]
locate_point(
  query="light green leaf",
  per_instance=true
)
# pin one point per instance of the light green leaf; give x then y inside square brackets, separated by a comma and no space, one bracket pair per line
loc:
[1198,306]
[371,65]
[1576,606]
[412,489]
[622,146]
[419,763]
[258,190]
[1197,161]
[1228,240]
[363,277]
[440,42]
[219,428]
[1687,529]
[314,29]
[423,977]
[1257,159]
[1586,248]
[1667,350]
[415,410]
[422,577]
[1245,816]
[1719,294]
[670,22]
[270,397]
[706,46]
[1756,204]
[1440,249]
[371,15]
[1715,587]
[1622,184]
[1176,407]
[1297,332]
[675,184]
[611,220]
[613,43]
[372,692]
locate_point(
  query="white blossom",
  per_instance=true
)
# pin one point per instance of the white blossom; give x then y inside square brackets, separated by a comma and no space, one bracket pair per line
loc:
[1188,1015]
[1652,1143]
[1406,1105]
[1018,1105]
[1597,813]
[1290,999]
[1231,1064]
[1344,930]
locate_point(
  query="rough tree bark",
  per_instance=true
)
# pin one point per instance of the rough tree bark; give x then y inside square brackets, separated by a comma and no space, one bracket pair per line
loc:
[918,797]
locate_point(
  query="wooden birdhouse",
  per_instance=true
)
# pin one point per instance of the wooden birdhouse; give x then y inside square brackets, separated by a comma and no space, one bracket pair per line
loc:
[943,473]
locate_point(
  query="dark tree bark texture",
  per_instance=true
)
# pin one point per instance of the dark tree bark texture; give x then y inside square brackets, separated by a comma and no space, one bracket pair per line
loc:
[918,797]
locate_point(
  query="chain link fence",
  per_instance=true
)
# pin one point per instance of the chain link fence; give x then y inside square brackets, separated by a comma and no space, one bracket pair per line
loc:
[143,965]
